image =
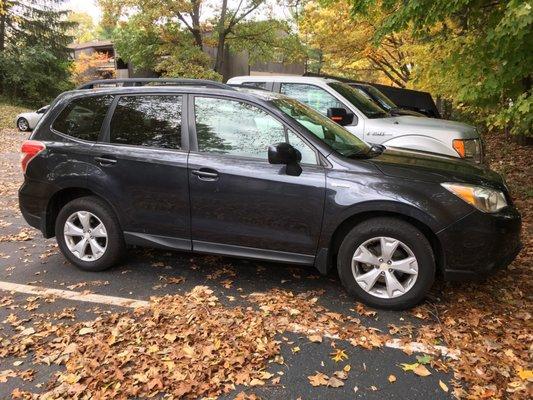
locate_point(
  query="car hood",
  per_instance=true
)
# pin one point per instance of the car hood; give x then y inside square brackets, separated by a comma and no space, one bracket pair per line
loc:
[418,165]
[424,125]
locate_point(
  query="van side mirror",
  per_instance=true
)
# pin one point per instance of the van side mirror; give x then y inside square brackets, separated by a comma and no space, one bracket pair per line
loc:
[284,153]
[340,116]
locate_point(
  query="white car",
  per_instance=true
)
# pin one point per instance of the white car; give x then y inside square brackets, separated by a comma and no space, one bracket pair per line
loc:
[369,122]
[28,121]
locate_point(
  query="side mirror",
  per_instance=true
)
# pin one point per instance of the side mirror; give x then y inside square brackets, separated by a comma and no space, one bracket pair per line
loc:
[340,116]
[284,153]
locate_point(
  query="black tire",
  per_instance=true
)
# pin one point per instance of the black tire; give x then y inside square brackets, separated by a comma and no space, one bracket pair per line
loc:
[27,124]
[397,229]
[115,238]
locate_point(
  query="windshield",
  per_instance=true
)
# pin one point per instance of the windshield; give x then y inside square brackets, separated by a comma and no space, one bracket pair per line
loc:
[335,136]
[363,104]
[380,97]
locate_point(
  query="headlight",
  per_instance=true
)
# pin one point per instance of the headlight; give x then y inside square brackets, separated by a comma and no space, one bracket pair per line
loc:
[468,148]
[484,199]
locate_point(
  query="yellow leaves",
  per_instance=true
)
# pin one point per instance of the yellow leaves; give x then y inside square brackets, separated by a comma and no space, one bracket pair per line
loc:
[443,386]
[525,374]
[295,349]
[339,355]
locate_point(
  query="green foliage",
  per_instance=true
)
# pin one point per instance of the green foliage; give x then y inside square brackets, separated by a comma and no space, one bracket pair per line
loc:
[266,40]
[34,64]
[168,50]
[478,53]
[34,75]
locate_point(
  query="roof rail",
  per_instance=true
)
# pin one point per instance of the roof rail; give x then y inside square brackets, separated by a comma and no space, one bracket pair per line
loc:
[158,81]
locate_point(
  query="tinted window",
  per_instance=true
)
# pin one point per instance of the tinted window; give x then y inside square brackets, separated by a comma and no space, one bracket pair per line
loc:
[153,121]
[233,127]
[311,95]
[362,103]
[261,85]
[82,118]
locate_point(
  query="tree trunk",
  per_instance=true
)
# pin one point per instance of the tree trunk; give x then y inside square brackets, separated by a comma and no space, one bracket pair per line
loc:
[2,32]
[196,31]
[219,59]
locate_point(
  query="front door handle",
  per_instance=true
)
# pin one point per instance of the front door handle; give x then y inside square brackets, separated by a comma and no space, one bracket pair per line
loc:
[205,174]
[105,161]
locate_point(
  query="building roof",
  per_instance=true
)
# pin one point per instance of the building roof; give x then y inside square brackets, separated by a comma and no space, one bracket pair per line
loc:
[93,44]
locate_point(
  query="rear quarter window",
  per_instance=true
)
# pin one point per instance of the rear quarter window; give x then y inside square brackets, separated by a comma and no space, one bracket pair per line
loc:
[82,118]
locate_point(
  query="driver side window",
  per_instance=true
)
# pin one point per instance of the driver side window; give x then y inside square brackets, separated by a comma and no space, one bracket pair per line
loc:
[236,128]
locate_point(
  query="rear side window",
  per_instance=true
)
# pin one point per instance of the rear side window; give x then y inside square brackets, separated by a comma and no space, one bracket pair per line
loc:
[82,118]
[311,95]
[152,121]
[260,85]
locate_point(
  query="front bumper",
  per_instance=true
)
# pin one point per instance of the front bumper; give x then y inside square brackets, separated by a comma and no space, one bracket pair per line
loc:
[480,243]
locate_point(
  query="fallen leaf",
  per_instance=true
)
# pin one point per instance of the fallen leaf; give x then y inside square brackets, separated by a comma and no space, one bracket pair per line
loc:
[443,386]
[335,382]
[315,338]
[85,331]
[319,379]
[525,374]
[421,370]
[339,355]
[392,378]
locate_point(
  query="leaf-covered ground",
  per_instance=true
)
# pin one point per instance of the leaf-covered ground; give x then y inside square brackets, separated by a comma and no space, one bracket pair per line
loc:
[212,339]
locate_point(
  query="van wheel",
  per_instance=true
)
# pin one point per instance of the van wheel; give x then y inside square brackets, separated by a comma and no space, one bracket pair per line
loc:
[386,263]
[89,235]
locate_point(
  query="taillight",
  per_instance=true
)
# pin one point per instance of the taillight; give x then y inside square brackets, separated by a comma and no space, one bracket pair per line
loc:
[30,149]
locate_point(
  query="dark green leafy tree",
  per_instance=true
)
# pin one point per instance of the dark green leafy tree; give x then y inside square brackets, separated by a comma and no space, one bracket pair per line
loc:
[34,64]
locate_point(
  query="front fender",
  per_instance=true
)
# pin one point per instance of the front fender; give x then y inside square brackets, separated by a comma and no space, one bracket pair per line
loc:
[422,143]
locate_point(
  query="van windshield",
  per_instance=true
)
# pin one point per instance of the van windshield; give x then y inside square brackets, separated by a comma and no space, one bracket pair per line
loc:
[335,136]
[362,103]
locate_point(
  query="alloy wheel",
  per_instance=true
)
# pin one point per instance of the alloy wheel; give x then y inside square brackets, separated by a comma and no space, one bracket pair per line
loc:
[385,267]
[85,236]
[22,124]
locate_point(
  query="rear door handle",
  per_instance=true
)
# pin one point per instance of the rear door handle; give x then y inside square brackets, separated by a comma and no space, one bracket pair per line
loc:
[103,161]
[206,174]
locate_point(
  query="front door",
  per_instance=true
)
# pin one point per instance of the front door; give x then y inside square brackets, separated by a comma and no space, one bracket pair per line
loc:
[241,204]
[143,169]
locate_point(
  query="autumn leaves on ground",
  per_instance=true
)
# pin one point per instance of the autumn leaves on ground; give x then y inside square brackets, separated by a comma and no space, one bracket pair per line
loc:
[196,345]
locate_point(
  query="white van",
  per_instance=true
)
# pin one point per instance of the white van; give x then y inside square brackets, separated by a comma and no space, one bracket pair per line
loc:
[368,121]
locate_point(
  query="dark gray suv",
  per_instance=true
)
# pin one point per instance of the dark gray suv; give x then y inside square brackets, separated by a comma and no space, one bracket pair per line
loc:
[207,168]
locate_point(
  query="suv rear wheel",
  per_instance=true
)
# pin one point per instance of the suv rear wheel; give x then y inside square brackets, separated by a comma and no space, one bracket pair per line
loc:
[88,234]
[387,263]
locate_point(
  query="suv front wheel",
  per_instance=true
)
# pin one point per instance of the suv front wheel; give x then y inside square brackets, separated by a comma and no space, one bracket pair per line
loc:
[88,234]
[386,263]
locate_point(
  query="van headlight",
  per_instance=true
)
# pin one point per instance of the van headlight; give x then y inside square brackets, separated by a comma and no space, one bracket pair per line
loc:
[470,149]
[483,198]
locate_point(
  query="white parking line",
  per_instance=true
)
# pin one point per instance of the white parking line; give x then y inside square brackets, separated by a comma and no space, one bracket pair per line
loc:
[414,347]
[72,295]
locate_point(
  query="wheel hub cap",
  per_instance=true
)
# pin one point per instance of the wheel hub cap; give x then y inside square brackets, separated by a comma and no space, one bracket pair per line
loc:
[85,236]
[385,267]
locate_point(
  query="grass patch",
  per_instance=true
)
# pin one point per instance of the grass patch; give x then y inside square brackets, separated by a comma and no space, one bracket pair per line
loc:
[8,112]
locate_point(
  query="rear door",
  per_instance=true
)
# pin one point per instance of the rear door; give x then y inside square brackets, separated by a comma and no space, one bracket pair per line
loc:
[241,204]
[141,166]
